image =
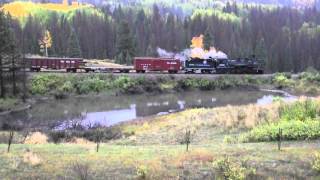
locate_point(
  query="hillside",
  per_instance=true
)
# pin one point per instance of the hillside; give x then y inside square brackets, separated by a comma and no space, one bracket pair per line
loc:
[21,9]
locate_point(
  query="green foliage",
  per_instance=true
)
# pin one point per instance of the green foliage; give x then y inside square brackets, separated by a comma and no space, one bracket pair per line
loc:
[299,111]
[142,171]
[207,40]
[230,139]
[42,84]
[316,162]
[282,80]
[232,170]
[91,84]
[311,75]
[74,50]
[299,121]
[125,44]
[7,103]
[292,130]
[57,136]
[124,83]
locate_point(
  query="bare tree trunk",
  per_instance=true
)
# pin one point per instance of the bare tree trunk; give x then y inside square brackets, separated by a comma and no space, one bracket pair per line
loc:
[11,134]
[24,81]
[14,86]
[46,50]
[1,80]
[98,144]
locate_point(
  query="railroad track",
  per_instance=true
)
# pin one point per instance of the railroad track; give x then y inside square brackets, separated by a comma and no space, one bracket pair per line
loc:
[180,74]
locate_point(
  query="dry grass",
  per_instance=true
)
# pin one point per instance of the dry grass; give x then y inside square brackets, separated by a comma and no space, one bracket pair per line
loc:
[36,138]
[31,158]
[199,156]
[203,123]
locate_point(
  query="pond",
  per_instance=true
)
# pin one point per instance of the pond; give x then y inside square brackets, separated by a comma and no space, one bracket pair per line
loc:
[111,110]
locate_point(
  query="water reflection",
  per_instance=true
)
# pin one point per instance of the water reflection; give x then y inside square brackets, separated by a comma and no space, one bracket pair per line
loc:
[108,111]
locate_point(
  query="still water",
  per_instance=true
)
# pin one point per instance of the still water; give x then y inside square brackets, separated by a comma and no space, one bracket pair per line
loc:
[111,110]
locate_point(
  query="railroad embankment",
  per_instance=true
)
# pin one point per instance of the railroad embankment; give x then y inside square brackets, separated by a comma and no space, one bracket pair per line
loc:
[63,85]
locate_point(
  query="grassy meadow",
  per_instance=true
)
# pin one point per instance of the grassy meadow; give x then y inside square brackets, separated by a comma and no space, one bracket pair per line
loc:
[155,148]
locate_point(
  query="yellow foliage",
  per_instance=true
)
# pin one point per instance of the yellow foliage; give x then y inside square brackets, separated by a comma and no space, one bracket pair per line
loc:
[46,40]
[20,9]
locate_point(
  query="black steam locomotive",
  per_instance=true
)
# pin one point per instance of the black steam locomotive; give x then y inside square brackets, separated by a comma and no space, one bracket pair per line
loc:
[224,66]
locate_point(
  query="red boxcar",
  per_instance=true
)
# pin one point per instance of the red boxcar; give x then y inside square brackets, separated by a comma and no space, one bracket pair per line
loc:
[143,64]
[69,64]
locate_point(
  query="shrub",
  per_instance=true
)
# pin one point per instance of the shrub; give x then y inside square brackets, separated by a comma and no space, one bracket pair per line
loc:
[316,162]
[282,80]
[91,84]
[310,76]
[142,171]
[230,169]
[299,121]
[8,103]
[42,84]
[225,82]
[57,136]
[293,130]
[187,83]
[230,139]
[81,170]
[126,84]
[205,84]
[301,111]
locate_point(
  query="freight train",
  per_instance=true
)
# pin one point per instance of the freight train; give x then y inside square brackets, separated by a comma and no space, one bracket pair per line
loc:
[150,64]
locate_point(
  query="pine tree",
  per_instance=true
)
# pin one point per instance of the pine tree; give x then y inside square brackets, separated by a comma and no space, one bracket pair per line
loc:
[74,50]
[124,43]
[7,46]
[261,50]
[128,58]
[207,40]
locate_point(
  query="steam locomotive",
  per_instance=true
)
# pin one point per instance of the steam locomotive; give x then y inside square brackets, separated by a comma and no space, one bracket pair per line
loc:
[224,66]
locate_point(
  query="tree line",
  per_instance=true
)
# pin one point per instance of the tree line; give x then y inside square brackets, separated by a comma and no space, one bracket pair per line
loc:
[286,39]
[12,79]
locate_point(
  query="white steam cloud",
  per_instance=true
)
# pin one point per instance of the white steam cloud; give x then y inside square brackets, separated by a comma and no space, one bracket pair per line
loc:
[185,54]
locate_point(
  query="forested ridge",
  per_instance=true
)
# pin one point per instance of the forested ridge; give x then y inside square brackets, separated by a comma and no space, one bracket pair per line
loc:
[287,39]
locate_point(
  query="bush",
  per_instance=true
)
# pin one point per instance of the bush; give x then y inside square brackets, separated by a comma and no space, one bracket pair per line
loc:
[91,84]
[299,111]
[42,84]
[142,171]
[230,169]
[81,170]
[298,121]
[293,130]
[282,80]
[205,84]
[126,84]
[57,136]
[316,162]
[8,103]
[230,139]
[187,83]
[225,82]
[312,76]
